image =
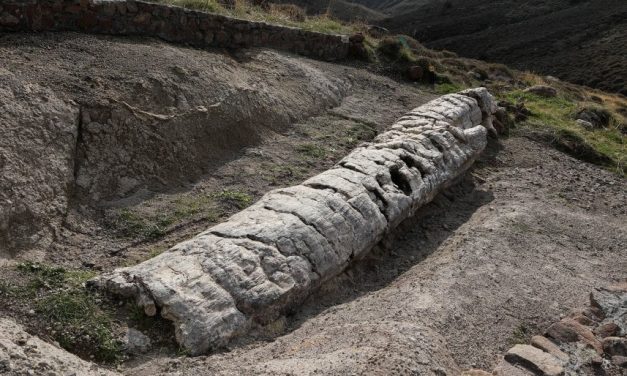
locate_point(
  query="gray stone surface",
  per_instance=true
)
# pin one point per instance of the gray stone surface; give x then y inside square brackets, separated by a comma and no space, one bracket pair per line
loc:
[267,258]
[535,360]
[612,301]
[136,342]
[23,354]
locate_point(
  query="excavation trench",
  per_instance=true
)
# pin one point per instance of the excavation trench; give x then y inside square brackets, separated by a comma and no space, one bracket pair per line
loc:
[219,284]
[114,141]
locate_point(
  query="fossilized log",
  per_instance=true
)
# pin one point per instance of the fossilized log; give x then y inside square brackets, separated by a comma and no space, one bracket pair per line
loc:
[269,257]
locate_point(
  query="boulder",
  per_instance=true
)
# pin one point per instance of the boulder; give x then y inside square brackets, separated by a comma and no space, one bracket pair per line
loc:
[535,360]
[505,368]
[609,329]
[546,345]
[615,346]
[542,91]
[569,330]
[611,302]
[598,117]
[620,361]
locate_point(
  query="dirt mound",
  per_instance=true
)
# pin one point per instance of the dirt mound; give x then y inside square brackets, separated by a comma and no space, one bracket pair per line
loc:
[135,119]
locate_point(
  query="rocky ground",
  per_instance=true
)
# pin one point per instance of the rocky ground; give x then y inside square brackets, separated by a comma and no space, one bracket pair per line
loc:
[489,264]
[493,261]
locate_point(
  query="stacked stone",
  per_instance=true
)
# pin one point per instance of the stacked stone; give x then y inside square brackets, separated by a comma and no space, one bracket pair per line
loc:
[170,23]
[268,258]
[589,341]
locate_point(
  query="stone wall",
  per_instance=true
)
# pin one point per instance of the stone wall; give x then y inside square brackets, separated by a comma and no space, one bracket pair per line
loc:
[266,259]
[172,24]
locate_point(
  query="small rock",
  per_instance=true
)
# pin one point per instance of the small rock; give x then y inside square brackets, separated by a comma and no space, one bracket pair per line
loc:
[545,344]
[136,341]
[535,360]
[615,346]
[596,361]
[582,319]
[505,368]
[569,330]
[609,329]
[542,91]
[585,124]
[415,72]
[377,31]
[8,19]
[598,117]
[620,361]
[357,38]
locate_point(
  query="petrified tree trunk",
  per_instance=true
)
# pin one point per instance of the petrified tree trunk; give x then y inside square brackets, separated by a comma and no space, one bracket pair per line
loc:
[269,257]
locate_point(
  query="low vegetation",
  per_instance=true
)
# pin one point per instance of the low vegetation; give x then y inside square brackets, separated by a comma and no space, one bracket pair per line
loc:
[281,14]
[68,313]
[555,121]
[154,224]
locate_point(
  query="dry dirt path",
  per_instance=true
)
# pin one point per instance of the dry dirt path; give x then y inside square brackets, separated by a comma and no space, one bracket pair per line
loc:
[501,256]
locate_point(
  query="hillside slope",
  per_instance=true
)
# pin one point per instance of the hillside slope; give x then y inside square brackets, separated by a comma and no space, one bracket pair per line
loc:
[581,41]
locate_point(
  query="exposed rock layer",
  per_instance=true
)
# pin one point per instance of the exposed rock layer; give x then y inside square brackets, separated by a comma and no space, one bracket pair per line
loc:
[270,256]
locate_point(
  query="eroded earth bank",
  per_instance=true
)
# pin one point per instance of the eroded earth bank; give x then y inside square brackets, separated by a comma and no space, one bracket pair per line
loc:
[141,152]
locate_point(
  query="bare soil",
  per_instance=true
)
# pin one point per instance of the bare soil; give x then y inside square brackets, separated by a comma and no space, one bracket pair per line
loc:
[493,261]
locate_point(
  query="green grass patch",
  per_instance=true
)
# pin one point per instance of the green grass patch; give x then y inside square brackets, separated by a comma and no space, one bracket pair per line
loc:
[556,118]
[129,223]
[520,335]
[360,132]
[312,151]
[76,320]
[212,6]
[448,88]
[80,325]
[275,14]
[238,199]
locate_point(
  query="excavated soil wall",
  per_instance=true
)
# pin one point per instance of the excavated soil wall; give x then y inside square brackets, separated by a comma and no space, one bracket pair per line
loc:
[172,24]
[268,258]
